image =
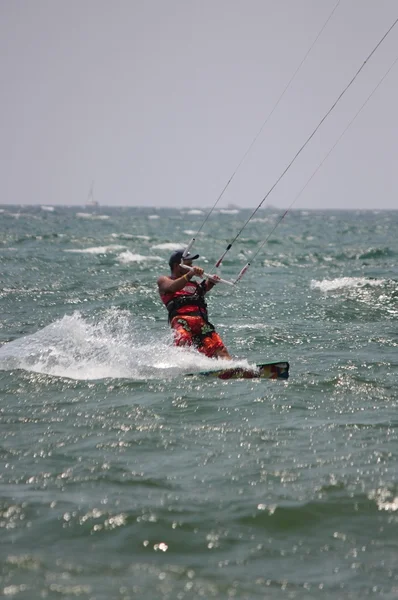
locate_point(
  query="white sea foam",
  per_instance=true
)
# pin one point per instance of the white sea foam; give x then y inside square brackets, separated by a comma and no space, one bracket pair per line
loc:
[251,326]
[109,347]
[83,215]
[168,246]
[21,214]
[193,232]
[97,249]
[129,236]
[384,499]
[193,211]
[129,257]
[330,285]
[153,217]
[17,215]
[48,208]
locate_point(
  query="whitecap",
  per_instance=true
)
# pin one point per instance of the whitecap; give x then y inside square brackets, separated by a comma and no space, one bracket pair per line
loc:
[384,499]
[126,236]
[251,326]
[129,257]
[130,236]
[92,216]
[96,249]
[329,285]
[193,232]
[168,246]
[193,211]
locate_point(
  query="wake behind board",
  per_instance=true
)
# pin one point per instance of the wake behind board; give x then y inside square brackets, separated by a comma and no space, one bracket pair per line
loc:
[277,370]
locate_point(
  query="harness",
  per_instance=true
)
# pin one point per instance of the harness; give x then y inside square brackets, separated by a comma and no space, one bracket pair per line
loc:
[197,299]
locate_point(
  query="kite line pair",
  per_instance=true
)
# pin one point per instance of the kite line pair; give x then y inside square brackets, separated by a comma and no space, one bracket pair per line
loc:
[282,216]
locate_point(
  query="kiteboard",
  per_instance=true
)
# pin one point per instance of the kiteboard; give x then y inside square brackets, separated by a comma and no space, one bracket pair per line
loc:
[277,370]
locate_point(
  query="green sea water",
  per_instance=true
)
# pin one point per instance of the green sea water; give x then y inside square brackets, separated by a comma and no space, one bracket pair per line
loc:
[120,478]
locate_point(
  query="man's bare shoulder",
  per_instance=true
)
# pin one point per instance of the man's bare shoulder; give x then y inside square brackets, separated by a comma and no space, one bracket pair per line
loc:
[164,278]
[164,283]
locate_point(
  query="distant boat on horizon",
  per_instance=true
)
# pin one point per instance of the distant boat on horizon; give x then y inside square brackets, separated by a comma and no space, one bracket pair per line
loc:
[90,200]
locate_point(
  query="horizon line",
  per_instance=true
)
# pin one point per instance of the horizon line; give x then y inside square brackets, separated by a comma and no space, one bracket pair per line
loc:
[230,208]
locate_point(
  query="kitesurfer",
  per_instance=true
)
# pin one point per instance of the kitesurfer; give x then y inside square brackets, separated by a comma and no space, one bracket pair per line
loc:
[185,302]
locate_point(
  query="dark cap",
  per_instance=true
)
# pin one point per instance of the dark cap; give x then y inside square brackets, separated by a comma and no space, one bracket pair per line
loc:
[177,255]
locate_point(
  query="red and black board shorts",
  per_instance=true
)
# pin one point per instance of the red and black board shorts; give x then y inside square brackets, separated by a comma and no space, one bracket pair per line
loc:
[195,331]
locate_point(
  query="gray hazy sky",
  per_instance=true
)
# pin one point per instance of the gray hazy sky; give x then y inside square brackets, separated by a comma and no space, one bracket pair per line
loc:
[157,101]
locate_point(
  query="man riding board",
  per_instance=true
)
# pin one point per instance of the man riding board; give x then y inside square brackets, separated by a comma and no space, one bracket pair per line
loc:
[184,300]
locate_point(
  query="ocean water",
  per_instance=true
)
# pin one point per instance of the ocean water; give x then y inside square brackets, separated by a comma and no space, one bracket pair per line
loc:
[120,478]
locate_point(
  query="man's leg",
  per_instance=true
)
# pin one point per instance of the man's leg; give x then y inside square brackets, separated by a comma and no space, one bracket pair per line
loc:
[182,333]
[213,346]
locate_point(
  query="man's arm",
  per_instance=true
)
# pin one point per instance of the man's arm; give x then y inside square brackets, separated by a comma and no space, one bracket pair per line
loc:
[167,285]
[210,283]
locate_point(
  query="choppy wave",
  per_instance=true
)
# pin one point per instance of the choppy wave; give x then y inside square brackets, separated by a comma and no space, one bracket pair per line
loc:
[385,499]
[375,253]
[193,232]
[168,246]
[130,236]
[17,215]
[193,211]
[129,257]
[329,285]
[92,216]
[97,249]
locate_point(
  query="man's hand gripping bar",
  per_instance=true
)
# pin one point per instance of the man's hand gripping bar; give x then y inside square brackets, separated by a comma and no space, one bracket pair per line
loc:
[210,277]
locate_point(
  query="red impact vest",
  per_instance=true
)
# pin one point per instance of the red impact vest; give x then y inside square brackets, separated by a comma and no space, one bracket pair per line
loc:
[187,300]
